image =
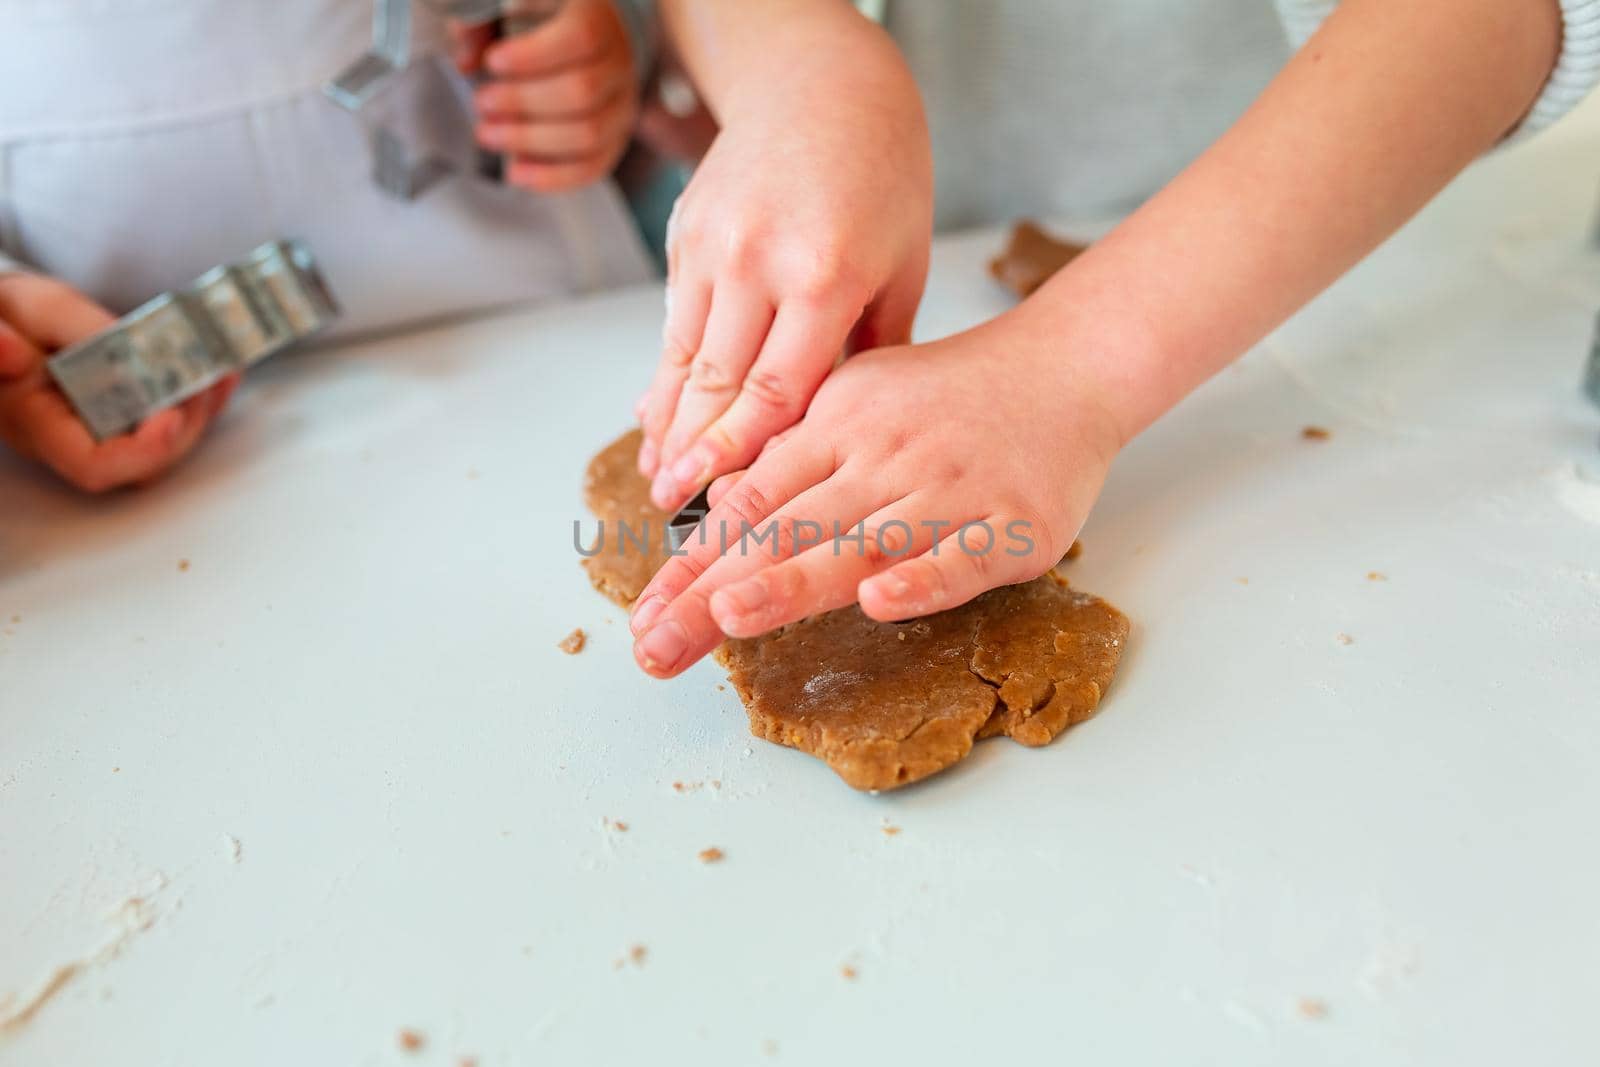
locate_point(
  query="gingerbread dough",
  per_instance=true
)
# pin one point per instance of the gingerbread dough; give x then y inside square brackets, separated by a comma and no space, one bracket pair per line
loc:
[1031,257]
[619,496]
[885,704]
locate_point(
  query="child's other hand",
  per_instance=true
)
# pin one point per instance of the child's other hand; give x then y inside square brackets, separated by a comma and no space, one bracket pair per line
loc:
[563,96]
[803,235]
[39,316]
[913,443]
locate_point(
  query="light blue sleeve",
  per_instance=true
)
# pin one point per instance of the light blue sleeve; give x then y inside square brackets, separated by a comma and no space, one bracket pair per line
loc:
[1576,73]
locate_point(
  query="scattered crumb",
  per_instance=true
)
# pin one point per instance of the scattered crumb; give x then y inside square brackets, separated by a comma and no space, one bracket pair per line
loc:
[848,973]
[116,770]
[183,564]
[721,688]
[1312,1008]
[411,1040]
[1345,639]
[1076,550]
[690,787]
[901,635]
[711,855]
[1242,581]
[716,783]
[232,848]
[573,643]
[1377,576]
[769,1048]
[15,619]
[678,786]
[637,954]
[619,826]
[890,829]
[466,1061]
[472,476]
[1315,433]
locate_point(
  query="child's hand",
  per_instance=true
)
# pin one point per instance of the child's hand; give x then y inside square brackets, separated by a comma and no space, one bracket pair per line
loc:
[803,234]
[913,443]
[563,97]
[40,315]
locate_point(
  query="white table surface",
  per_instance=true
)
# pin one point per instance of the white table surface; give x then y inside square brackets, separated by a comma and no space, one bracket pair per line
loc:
[356,680]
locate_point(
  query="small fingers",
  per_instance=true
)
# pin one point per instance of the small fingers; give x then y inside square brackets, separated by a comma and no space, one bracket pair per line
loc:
[738,323]
[764,489]
[18,355]
[579,33]
[49,313]
[558,177]
[826,577]
[576,137]
[568,94]
[688,303]
[975,557]
[799,351]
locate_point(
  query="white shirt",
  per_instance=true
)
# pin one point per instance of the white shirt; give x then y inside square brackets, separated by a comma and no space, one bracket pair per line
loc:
[144,141]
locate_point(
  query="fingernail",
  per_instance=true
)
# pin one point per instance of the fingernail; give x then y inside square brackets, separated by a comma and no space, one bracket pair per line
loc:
[645,613]
[664,646]
[891,585]
[648,456]
[691,468]
[746,598]
[662,489]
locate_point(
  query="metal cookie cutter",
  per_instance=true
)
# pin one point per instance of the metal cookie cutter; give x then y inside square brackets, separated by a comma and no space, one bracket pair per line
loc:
[399,169]
[683,525]
[183,342]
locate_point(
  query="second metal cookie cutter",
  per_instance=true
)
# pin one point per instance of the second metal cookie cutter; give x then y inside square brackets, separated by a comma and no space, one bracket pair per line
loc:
[183,342]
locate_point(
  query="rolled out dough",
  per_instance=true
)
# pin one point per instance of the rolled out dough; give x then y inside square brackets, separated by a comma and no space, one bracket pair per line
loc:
[1031,257]
[619,496]
[886,704]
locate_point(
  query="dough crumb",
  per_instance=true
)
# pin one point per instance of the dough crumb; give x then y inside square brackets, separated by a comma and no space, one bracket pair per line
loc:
[466,1061]
[901,635]
[410,1040]
[769,1048]
[1345,639]
[890,829]
[1377,576]
[712,855]
[721,688]
[232,847]
[183,564]
[1312,1008]
[637,955]
[1242,581]
[1315,433]
[573,643]
[848,973]
[1075,551]
[116,770]
[15,619]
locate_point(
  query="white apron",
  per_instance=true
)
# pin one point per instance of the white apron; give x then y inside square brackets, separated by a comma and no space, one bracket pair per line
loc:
[143,141]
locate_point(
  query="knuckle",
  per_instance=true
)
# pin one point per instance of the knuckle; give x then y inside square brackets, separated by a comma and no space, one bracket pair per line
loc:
[828,275]
[771,392]
[741,251]
[710,376]
[747,503]
[588,83]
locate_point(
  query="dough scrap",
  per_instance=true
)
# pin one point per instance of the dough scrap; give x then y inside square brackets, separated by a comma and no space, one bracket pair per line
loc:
[619,496]
[886,704]
[1031,257]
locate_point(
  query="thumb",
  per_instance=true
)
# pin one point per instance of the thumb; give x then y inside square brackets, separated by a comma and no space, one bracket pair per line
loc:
[51,314]
[888,319]
[17,354]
